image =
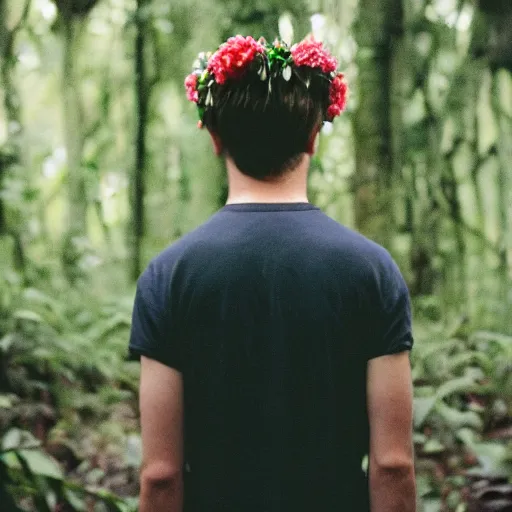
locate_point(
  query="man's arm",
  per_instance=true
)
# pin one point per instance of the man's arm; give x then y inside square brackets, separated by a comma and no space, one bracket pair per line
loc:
[161,411]
[392,486]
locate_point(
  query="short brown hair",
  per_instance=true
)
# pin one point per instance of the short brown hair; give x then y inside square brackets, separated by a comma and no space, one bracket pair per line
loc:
[266,133]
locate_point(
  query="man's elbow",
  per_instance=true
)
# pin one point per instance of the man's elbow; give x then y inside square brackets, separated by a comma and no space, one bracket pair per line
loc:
[398,465]
[160,475]
[392,486]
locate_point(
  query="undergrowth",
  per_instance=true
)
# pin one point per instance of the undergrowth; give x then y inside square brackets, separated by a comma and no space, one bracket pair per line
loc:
[463,418]
[67,400]
[68,423]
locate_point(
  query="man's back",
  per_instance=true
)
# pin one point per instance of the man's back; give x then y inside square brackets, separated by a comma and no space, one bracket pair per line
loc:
[271,312]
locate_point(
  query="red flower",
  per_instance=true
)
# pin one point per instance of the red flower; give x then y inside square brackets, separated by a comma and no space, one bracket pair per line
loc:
[191,87]
[230,61]
[338,96]
[312,53]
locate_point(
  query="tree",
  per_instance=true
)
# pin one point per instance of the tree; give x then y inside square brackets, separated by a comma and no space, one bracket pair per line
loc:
[73,18]
[137,181]
[11,154]
[495,45]
[378,25]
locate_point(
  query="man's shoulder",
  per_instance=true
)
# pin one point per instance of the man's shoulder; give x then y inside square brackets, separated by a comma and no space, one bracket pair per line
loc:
[327,237]
[356,246]
[192,241]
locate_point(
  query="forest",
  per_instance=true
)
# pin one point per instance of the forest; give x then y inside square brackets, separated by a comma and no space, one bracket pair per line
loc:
[102,167]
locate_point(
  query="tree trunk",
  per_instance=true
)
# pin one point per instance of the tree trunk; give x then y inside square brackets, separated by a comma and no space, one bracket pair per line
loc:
[5,46]
[502,86]
[142,94]
[73,123]
[11,155]
[73,15]
[375,30]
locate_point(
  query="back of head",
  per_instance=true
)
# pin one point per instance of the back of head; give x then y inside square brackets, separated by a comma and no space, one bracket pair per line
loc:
[266,102]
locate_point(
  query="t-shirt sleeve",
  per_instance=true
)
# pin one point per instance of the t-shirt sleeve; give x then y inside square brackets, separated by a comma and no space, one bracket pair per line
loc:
[152,332]
[391,328]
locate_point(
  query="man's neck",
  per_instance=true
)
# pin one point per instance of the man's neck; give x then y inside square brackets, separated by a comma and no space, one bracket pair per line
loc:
[289,188]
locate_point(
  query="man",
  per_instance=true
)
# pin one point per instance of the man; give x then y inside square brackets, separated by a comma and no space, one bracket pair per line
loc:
[274,341]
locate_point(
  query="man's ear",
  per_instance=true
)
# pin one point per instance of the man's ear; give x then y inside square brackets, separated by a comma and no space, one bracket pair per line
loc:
[312,142]
[217,143]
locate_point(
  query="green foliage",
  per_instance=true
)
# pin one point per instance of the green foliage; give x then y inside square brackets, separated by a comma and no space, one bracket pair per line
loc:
[65,378]
[463,395]
[32,476]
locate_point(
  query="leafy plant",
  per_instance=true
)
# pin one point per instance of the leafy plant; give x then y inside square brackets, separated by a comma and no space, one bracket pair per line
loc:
[65,378]
[463,395]
[34,478]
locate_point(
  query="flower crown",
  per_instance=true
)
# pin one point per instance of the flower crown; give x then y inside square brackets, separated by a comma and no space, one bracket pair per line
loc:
[239,55]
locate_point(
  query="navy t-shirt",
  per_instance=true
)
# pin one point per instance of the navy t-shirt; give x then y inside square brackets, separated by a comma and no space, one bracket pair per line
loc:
[271,312]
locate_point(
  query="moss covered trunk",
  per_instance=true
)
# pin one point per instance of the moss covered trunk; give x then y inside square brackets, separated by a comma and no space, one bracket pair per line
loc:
[73,28]
[137,182]
[376,29]
[11,153]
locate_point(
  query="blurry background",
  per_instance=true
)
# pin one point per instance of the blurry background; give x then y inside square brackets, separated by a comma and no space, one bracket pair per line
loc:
[102,166]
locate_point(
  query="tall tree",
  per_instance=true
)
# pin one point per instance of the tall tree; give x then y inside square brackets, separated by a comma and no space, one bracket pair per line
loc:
[425,169]
[496,47]
[6,66]
[142,97]
[73,18]
[376,29]
[11,154]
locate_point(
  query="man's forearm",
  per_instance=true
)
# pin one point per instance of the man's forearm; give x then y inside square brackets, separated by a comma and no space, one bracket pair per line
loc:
[161,496]
[392,489]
